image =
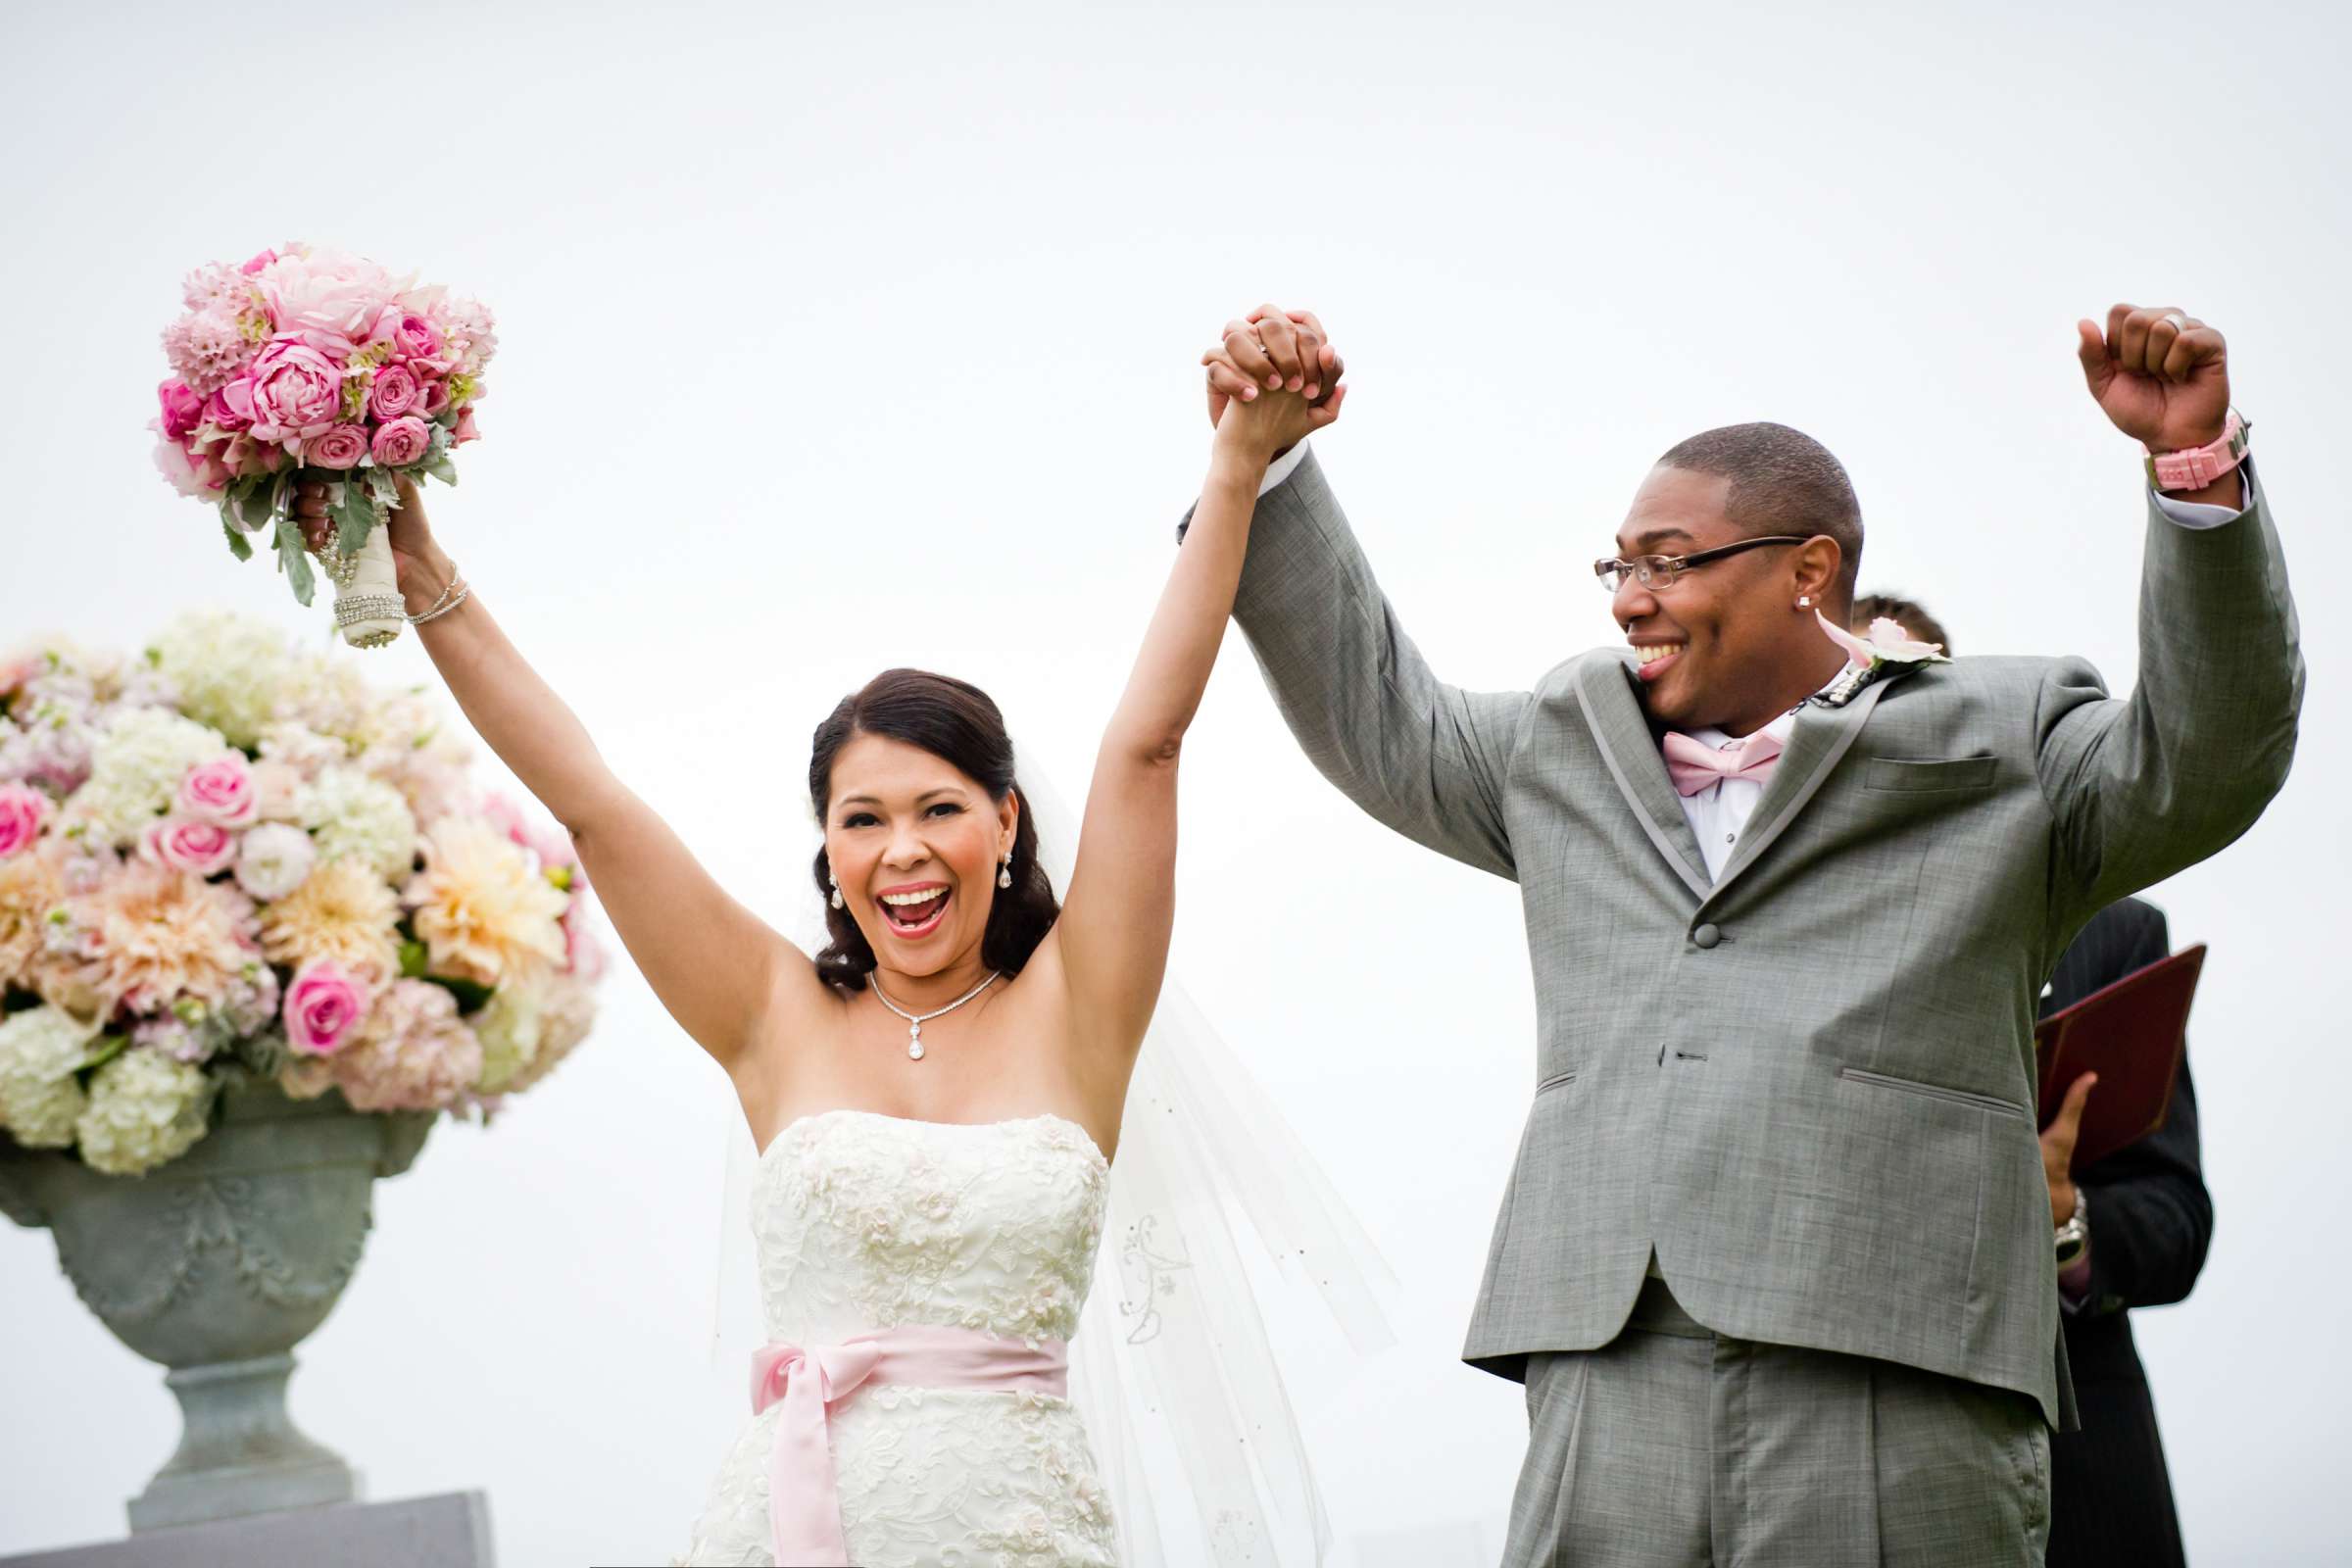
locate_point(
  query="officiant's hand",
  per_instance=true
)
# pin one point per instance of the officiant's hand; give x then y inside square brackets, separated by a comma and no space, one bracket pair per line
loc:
[1271,350]
[423,568]
[2058,1149]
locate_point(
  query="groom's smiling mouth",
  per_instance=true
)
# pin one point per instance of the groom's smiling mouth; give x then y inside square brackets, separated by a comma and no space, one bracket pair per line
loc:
[1655,657]
[915,911]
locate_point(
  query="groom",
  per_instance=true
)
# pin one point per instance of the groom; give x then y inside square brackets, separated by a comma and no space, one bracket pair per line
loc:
[1775,1263]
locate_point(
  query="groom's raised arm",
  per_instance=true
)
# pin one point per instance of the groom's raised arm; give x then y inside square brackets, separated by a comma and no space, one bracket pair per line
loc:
[2144,787]
[1427,759]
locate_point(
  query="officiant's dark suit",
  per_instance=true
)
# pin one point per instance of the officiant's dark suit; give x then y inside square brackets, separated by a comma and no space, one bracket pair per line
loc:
[2151,1218]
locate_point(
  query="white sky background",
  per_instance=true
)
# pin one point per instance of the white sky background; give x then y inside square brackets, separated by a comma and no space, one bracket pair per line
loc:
[836,341]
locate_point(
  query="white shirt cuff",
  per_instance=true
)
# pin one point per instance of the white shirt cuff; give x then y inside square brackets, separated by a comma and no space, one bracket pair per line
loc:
[2195,513]
[1284,466]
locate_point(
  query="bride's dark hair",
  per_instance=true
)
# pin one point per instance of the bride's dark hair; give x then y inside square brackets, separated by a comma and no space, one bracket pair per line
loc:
[959,723]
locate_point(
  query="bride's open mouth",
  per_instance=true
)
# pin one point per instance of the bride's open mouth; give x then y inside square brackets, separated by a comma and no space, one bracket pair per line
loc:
[915,911]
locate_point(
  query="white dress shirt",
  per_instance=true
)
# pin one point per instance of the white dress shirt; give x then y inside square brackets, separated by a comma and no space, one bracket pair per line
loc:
[1719,813]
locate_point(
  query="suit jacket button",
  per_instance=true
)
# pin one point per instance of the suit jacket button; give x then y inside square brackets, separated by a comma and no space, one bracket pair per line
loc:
[1706,936]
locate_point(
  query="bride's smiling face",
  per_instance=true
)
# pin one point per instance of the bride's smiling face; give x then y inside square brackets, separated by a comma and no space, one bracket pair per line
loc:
[914,844]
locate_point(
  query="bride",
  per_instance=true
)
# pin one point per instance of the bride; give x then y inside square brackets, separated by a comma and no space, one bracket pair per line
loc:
[936,1095]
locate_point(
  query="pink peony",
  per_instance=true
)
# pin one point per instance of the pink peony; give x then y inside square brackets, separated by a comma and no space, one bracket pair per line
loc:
[339,446]
[463,431]
[322,1007]
[220,792]
[258,262]
[200,849]
[22,810]
[396,391]
[326,299]
[183,408]
[296,392]
[402,442]
[412,336]
[230,409]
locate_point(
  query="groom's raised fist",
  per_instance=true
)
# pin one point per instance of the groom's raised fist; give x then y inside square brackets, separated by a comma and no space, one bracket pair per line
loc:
[2159,373]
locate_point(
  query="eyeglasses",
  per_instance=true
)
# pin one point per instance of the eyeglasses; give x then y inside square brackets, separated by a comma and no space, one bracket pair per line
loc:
[1658,572]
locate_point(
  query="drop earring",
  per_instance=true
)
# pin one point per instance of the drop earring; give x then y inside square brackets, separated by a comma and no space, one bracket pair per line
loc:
[838,899]
[1005,871]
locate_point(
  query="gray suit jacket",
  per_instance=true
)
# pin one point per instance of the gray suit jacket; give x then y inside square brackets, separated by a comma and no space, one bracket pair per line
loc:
[1807,1086]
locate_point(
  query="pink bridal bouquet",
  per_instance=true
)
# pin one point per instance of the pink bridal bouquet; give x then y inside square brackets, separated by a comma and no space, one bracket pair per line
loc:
[313,362]
[229,855]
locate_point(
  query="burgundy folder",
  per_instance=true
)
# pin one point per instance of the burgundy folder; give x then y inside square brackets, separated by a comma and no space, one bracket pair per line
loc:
[2130,1034]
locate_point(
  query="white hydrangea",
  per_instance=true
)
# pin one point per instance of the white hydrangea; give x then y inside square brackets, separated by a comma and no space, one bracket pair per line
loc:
[40,1050]
[232,671]
[145,1110]
[328,694]
[137,764]
[509,1026]
[273,859]
[350,813]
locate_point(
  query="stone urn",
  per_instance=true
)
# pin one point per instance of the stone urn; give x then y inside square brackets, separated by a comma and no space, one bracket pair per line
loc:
[216,1265]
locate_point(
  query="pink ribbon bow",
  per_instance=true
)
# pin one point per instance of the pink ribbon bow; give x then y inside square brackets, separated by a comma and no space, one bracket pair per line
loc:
[1694,765]
[804,1498]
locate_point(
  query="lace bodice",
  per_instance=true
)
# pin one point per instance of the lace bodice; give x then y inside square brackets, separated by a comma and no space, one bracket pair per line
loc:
[872,1222]
[865,1221]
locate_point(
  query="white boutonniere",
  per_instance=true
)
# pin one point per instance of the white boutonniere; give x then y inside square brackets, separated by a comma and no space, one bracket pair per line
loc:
[1888,651]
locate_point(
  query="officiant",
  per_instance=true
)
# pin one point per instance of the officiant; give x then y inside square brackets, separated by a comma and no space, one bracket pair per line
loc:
[2130,1230]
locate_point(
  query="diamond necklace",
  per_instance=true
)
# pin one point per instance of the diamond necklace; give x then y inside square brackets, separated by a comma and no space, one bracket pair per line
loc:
[915,1025]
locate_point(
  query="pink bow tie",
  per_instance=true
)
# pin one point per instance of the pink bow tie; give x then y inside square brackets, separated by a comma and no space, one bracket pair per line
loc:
[1694,765]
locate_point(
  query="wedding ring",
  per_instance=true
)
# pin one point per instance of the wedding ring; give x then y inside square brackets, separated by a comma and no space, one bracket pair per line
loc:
[2180,321]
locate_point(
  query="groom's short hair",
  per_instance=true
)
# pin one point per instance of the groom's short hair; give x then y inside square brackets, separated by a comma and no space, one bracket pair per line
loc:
[1782,481]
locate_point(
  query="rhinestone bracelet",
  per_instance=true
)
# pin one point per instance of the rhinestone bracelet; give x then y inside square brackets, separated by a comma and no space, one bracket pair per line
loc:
[464,592]
[434,608]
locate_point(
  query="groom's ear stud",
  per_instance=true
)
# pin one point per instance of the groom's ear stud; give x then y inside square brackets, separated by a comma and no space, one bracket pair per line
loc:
[1804,600]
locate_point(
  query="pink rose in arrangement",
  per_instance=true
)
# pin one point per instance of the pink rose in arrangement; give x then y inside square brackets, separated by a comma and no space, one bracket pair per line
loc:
[412,336]
[402,442]
[396,391]
[436,397]
[183,409]
[339,446]
[322,1007]
[200,849]
[463,431]
[296,392]
[22,810]
[230,409]
[220,792]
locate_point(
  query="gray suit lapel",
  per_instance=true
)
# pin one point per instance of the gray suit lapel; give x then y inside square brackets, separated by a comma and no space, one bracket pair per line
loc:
[1819,739]
[1604,691]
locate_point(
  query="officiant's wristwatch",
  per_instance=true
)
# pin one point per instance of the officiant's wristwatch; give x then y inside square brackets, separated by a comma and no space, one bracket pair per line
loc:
[2074,1234]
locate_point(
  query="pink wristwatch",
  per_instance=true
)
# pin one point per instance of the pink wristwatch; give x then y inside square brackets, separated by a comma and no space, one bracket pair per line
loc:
[2195,467]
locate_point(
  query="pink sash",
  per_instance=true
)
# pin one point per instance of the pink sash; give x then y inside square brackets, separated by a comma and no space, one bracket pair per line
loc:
[804,1503]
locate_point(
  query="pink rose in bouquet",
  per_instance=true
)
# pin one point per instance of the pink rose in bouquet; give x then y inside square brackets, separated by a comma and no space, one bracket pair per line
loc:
[200,849]
[339,446]
[183,409]
[402,442]
[230,409]
[22,810]
[221,792]
[396,391]
[322,1007]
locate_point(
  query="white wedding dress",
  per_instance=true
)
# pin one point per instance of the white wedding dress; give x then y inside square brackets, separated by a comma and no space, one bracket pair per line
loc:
[868,1222]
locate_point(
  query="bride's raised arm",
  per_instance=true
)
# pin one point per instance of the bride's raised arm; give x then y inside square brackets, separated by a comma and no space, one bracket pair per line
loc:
[1112,936]
[722,971]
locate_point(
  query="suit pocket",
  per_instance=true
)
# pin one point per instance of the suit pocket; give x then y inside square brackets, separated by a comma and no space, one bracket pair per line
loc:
[1558,1080]
[1909,1086]
[1901,777]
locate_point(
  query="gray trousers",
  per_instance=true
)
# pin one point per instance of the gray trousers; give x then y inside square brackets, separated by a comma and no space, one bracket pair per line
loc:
[1675,1446]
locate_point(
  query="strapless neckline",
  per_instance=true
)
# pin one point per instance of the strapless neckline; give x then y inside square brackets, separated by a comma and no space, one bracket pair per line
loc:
[809,1121]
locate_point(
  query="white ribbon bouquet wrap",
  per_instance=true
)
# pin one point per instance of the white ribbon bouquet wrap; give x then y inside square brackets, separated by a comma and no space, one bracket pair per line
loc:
[1172,1368]
[309,363]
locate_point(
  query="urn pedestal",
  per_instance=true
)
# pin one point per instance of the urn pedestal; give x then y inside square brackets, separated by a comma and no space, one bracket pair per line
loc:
[216,1265]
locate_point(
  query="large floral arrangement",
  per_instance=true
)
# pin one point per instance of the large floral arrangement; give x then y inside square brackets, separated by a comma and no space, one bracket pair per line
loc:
[231,854]
[308,359]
